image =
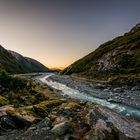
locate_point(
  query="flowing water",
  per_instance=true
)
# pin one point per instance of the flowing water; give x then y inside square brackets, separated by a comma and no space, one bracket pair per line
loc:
[72,93]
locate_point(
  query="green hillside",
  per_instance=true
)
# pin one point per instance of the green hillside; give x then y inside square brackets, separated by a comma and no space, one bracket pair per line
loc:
[118,57]
[13,62]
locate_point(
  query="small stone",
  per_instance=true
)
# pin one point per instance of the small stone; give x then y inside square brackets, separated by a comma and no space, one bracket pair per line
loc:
[100,86]
[32,128]
[117,90]
[106,90]
[127,114]
[63,99]
[116,94]
[128,96]
[134,88]
[110,100]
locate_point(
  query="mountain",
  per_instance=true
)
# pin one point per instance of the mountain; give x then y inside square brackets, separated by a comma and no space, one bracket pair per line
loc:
[118,57]
[13,62]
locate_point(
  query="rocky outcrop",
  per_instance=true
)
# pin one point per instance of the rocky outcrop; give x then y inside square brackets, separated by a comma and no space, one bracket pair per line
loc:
[110,119]
[89,122]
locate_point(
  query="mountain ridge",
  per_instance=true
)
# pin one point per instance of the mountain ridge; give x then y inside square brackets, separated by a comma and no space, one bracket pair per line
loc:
[13,62]
[120,56]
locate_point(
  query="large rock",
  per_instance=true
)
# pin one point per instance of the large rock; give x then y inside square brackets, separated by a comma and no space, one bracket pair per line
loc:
[4,109]
[7,123]
[46,123]
[20,121]
[14,122]
[67,111]
[61,128]
[40,111]
[120,124]
[104,130]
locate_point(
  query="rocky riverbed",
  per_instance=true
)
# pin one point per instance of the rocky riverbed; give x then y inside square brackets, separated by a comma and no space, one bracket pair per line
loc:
[124,95]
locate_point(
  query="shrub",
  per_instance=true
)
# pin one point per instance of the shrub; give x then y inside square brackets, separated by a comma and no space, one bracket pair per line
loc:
[13,83]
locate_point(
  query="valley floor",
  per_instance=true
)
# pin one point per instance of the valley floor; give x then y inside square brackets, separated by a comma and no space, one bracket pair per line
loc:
[47,112]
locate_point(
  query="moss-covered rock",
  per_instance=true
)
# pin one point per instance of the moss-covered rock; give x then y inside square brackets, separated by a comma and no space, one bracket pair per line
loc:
[3,101]
[71,105]
[54,102]
[40,110]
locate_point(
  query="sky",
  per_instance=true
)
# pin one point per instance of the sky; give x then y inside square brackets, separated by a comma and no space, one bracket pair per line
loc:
[59,32]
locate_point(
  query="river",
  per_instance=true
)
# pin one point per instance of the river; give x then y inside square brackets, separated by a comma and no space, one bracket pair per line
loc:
[76,94]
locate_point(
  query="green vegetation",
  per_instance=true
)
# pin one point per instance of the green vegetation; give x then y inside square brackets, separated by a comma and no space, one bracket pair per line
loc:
[13,83]
[3,101]
[122,55]
[36,108]
[72,105]
[19,91]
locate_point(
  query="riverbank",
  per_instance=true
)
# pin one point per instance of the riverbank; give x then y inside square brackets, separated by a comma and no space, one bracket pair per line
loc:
[121,95]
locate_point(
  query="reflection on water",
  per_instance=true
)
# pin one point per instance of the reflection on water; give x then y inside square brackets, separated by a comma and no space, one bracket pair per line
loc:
[125,110]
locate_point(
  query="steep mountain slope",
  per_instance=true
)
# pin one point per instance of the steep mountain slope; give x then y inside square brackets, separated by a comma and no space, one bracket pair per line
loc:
[13,62]
[120,56]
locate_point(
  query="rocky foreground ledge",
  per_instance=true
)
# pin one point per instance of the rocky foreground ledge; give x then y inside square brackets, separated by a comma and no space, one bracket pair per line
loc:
[61,119]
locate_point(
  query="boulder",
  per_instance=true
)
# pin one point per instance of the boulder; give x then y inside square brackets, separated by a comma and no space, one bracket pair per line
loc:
[14,122]
[121,125]
[7,123]
[20,121]
[40,111]
[61,128]
[93,116]
[67,111]
[44,123]
[105,131]
[103,125]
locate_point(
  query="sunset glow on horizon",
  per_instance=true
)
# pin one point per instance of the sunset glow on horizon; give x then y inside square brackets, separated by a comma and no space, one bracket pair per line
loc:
[57,33]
